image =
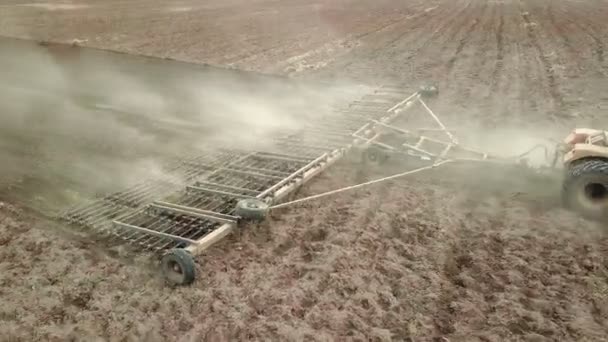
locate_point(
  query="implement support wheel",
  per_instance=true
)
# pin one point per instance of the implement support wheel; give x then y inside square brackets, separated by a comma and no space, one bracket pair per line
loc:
[585,188]
[375,155]
[251,209]
[428,91]
[178,267]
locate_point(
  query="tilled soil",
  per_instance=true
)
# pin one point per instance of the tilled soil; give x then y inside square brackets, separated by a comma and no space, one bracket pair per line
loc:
[529,64]
[531,61]
[261,35]
[451,256]
[402,261]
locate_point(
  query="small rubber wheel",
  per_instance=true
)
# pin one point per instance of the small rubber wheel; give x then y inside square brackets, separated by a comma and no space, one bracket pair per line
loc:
[251,209]
[178,267]
[375,155]
[429,91]
[585,188]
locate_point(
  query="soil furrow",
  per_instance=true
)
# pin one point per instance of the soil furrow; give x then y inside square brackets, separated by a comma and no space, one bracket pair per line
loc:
[463,41]
[497,72]
[569,15]
[421,54]
[414,42]
[551,81]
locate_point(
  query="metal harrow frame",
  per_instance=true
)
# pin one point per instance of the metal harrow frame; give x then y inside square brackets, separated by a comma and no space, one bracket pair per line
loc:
[193,207]
[389,137]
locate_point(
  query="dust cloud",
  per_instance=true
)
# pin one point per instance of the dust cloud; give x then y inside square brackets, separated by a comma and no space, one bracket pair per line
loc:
[83,122]
[537,147]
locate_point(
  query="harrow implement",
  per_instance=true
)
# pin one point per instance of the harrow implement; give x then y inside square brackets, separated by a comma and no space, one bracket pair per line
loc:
[203,198]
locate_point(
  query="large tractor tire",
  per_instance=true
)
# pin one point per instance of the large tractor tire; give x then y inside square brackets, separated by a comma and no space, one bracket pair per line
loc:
[585,188]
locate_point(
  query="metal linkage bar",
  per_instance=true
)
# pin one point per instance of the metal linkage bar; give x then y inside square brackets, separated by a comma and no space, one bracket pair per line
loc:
[194,212]
[215,192]
[240,180]
[393,113]
[227,187]
[250,173]
[153,232]
[297,173]
[374,141]
[280,156]
[420,145]
[267,172]
[410,99]
[452,138]
[304,143]
[410,134]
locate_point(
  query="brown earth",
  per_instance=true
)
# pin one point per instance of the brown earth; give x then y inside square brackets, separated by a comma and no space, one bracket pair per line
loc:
[261,35]
[458,255]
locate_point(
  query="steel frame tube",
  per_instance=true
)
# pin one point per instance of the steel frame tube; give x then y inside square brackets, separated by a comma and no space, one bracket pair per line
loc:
[282,157]
[252,193]
[292,176]
[395,107]
[194,212]
[153,232]
[452,138]
[198,189]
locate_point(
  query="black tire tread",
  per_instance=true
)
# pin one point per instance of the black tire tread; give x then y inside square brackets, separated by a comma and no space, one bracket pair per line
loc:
[247,213]
[587,166]
[186,262]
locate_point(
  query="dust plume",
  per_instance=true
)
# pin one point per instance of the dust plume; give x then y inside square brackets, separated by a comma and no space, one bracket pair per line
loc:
[535,145]
[92,122]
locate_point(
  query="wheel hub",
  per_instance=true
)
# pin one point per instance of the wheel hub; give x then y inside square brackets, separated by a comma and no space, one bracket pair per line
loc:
[597,193]
[175,267]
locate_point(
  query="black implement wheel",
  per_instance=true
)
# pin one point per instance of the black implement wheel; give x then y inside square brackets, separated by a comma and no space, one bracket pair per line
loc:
[585,188]
[251,209]
[178,267]
[428,91]
[375,155]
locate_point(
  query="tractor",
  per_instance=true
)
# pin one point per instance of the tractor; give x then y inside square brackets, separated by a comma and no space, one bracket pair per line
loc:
[585,185]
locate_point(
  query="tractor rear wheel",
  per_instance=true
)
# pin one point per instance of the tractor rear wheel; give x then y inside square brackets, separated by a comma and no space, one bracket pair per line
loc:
[585,188]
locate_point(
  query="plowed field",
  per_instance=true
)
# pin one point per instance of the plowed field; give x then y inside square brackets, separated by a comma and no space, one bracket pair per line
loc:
[459,254]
